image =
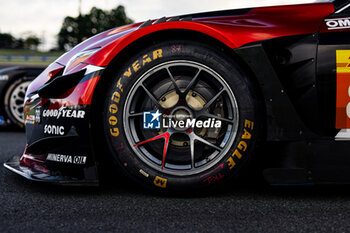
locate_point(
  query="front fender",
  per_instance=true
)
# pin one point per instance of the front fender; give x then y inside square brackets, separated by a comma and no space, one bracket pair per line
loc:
[104,56]
[233,31]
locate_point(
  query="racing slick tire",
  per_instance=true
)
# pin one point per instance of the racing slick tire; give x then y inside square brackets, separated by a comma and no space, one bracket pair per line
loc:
[14,100]
[189,81]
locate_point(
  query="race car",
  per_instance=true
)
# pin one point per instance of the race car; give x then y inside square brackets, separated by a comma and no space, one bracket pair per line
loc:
[14,82]
[189,102]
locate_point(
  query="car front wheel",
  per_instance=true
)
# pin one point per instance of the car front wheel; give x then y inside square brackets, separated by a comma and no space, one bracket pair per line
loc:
[181,115]
[14,101]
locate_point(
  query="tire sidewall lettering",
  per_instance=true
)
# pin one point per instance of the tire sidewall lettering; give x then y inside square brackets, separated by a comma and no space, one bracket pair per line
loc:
[131,70]
[236,155]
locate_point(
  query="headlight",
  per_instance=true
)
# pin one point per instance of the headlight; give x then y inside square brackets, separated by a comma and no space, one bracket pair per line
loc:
[78,58]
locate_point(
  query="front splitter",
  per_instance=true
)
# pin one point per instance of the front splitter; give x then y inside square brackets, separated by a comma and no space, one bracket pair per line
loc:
[14,165]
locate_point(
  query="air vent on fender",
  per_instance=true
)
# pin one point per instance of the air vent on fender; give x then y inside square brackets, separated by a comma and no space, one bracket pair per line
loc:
[57,86]
[163,20]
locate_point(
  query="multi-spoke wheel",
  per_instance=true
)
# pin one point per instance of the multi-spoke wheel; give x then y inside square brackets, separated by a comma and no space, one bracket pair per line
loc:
[14,100]
[181,115]
[181,90]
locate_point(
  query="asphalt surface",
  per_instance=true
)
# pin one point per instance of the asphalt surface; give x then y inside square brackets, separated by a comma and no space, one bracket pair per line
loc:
[121,207]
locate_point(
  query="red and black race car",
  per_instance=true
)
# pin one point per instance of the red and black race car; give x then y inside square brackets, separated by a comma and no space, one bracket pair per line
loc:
[186,102]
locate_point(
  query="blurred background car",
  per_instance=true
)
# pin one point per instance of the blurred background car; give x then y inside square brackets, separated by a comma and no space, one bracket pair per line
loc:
[14,81]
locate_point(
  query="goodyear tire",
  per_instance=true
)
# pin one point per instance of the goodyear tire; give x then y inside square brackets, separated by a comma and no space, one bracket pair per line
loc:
[181,81]
[14,100]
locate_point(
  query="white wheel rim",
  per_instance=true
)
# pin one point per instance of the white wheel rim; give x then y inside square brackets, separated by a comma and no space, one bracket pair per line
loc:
[17,101]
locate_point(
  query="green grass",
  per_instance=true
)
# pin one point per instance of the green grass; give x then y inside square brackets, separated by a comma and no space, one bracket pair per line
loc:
[24,63]
[27,52]
[32,59]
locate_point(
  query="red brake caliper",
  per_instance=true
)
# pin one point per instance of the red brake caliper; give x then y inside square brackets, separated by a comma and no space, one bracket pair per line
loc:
[166,136]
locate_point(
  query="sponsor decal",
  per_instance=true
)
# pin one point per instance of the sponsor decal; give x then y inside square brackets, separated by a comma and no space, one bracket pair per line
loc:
[64,113]
[343,90]
[66,158]
[38,114]
[30,119]
[338,23]
[4,77]
[160,182]
[54,129]
[152,120]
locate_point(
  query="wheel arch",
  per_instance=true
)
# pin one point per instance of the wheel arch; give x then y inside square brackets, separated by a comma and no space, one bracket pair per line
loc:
[173,34]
